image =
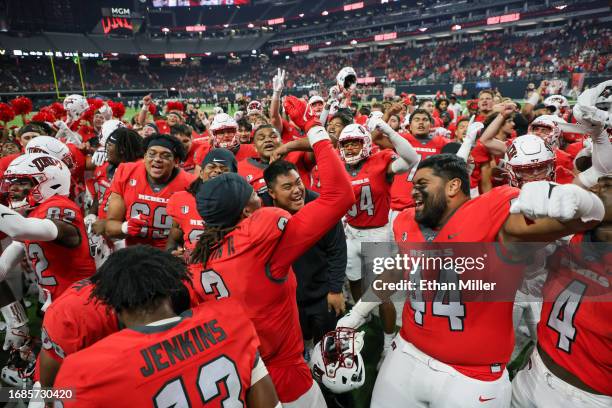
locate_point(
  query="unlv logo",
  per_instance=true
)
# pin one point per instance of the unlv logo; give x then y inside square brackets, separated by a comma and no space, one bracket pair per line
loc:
[36,150]
[511,151]
[42,163]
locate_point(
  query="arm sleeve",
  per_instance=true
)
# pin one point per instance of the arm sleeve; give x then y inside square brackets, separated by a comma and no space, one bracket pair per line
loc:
[336,258]
[20,228]
[335,199]
[10,258]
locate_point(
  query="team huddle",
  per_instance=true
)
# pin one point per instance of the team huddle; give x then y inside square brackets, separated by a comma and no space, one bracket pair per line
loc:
[177,268]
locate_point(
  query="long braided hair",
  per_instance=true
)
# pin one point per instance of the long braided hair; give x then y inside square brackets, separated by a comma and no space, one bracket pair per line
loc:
[209,241]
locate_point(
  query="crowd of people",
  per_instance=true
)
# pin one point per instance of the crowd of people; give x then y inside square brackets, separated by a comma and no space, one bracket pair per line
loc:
[490,56]
[184,259]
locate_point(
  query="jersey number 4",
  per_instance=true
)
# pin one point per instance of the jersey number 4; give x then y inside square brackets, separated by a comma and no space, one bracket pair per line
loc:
[211,375]
[446,303]
[563,312]
[365,203]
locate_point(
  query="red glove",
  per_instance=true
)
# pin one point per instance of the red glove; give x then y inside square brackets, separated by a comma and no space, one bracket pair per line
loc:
[134,226]
[295,109]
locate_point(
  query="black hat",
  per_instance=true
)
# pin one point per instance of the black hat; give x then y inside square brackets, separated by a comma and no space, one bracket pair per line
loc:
[223,156]
[220,201]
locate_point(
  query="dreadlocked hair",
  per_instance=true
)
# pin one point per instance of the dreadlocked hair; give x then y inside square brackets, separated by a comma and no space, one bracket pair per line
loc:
[129,144]
[139,278]
[209,241]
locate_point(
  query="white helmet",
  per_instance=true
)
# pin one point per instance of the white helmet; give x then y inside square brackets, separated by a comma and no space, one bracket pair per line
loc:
[336,361]
[49,177]
[375,115]
[560,103]
[550,122]
[217,110]
[224,121]
[254,107]
[355,132]
[529,158]
[346,78]
[53,147]
[75,105]
[109,127]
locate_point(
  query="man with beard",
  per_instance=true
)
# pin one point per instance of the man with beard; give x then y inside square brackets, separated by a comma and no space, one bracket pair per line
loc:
[140,192]
[472,341]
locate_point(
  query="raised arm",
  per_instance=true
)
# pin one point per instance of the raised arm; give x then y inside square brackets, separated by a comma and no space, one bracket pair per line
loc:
[336,197]
[278,83]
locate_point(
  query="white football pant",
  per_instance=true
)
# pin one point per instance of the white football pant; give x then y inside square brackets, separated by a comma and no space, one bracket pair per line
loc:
[536,387]
[354,238]
[410,378]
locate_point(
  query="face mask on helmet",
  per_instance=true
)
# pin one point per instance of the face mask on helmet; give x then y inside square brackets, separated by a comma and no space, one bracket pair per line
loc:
[355,133]
[16,191]
[46,176]
[75,106]
[529,158]
[346,78]
[336,360]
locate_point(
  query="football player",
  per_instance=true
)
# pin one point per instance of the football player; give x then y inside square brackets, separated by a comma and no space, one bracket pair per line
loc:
[465,364]
[287,130]
[247,252]
[570,366]
[224,133]
[267,141]
[184,134]
[52,236]
[426,144]
[368,219]
[140,192]
[205,356]
[187,225]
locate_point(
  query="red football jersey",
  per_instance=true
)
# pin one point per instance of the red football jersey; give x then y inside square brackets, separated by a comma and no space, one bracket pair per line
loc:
[565,166]
[130,182]
[182,208]
[101,188]
[205,358]
[371,185]
[575,329]
[244,152]
[401,189]
[74,322]
[57,266]
[189,164]
[289,132]
[476,338]
[574,148]
[6,161]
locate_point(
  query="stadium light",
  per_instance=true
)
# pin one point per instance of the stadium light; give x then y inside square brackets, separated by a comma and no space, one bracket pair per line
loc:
[324,13]
[327,42]
[114,54]
[165,30]
[251,25]
[286,57]
[225,25]
[423,29]
[301,15]
[561,7]
[275,52]
[384,1]
[208,54]
[353,42]
[253,51]
[456,27]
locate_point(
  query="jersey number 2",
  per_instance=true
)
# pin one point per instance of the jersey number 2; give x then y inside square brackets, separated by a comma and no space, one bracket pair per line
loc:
[210,376]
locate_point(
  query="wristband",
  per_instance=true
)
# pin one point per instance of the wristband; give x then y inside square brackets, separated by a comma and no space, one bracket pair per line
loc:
[124,227]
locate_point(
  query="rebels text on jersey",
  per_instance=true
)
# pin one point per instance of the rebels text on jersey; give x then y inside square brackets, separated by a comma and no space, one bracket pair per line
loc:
[476,338]
[371,185]
[130,182]
[57,266]
[205,358]
[182,208]
[574,328]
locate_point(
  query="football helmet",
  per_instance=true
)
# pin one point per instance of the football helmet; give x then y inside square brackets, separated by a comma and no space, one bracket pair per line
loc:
[355,132]
[75,106]
[109,127]
[53,147]
[560,103]
[346,79]
[546,127]
[336,361]
[48,175]
[529,158]
[221,122]
[254,107]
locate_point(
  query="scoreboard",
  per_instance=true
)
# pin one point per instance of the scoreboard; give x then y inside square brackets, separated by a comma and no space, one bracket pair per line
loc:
[197,3]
